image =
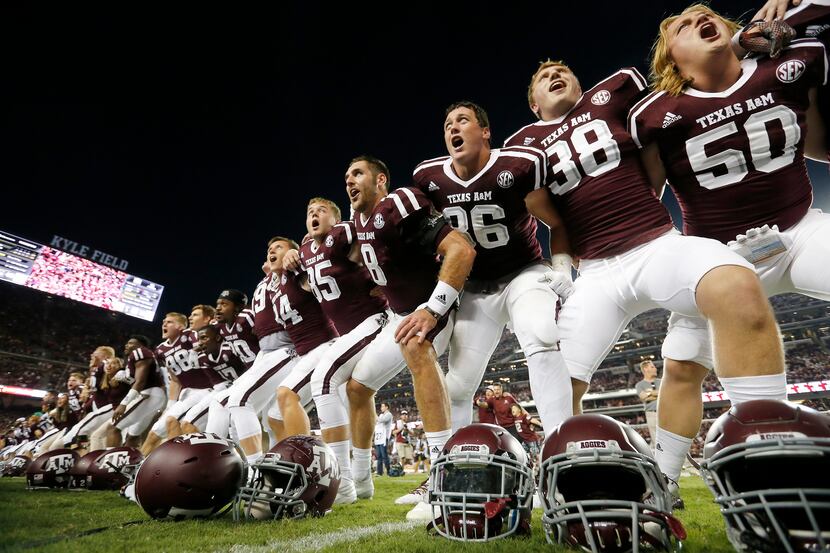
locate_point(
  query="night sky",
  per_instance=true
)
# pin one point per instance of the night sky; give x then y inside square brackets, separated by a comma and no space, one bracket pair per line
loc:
[183,140]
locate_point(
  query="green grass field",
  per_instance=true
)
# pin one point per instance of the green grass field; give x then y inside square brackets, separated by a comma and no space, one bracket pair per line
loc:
[61,521]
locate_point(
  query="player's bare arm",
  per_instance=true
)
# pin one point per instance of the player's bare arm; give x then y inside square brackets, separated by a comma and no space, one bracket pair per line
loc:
[815,144]
[650,156]
[458,254]
[560,280]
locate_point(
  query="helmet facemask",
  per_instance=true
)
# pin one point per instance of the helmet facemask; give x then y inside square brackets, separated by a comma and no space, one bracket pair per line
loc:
[274,491]
[480,496]
[606,499]
[791,516]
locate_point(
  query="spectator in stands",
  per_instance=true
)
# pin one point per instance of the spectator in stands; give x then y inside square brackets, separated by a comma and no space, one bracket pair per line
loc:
[524,424]
[648,389]
[501,404]
[383,429]
[485,414]
[403,446]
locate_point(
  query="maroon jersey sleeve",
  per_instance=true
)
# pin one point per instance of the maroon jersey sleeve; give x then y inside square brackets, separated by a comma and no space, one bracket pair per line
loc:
[301,315]
[341,286]
[389,244]
[154,378]
[490,207]
[595,173]
[735,159]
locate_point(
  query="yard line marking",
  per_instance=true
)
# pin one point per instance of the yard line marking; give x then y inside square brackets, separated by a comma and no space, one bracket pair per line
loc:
[317,542]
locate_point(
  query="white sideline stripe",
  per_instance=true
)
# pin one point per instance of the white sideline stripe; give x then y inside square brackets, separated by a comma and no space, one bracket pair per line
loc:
[316,543]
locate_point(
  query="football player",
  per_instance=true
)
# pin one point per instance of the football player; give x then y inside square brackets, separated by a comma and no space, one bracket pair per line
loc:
[631,259]
[146,396]
[493,195]
[252,393]
[399,235]
[331,259]
[730,136]
[188,382]
[101,409]
[222,366]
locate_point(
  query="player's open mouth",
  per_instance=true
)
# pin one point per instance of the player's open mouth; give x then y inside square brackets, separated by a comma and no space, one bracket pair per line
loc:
[556,85]
[272,259]
[315,223]
[457,142]
[353,194]
[708,30]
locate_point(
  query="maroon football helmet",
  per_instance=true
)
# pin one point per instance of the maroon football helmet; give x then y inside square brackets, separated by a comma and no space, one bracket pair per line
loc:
[192,475]
[17,466]
[299,477]
[110,469]
[51,470]
[602,490]
[767,463]
[481,485]
[78,472]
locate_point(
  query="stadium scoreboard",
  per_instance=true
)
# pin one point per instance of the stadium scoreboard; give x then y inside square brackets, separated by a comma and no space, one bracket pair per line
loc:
[27,263]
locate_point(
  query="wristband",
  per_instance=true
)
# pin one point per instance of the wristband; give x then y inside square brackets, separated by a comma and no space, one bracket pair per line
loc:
[442,298]
[131,395]
[561,262]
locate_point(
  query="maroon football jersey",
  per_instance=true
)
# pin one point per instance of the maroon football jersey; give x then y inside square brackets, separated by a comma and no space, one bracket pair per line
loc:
[265,318]
[735,159]
[240,337]
[406,273]
[301,315]
[490,207]
[524,428]
[178,358]
[225,367]
[340,285]
[154,378]
[598,182]
[501,408]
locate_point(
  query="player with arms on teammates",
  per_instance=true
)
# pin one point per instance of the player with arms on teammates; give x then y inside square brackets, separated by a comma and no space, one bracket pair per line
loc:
[331,259]
[399,234]
[730,135]
[493,195]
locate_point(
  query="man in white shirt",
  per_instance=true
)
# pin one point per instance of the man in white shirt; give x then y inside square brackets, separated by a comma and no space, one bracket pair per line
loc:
[383,429]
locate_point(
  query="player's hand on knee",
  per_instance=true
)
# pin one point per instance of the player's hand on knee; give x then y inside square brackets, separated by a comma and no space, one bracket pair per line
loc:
[560,282]
[118,414]
[418,324]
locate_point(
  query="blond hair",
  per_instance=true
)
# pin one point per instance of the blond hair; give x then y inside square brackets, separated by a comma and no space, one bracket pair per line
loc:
[664,72]
[107,350]
[178,317]
[331,205]
[542,66]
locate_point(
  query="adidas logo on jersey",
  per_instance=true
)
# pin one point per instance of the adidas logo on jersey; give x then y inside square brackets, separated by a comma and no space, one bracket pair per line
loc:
[433,187]
[529,140]
[442,298]
[670,118]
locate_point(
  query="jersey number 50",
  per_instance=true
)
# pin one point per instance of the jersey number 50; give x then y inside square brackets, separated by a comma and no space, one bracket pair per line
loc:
[759,148]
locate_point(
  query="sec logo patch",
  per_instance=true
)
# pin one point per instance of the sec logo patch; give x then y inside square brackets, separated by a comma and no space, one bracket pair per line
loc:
[602,97]
[790,71]
[329,241]
[379,222]
[505,179]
